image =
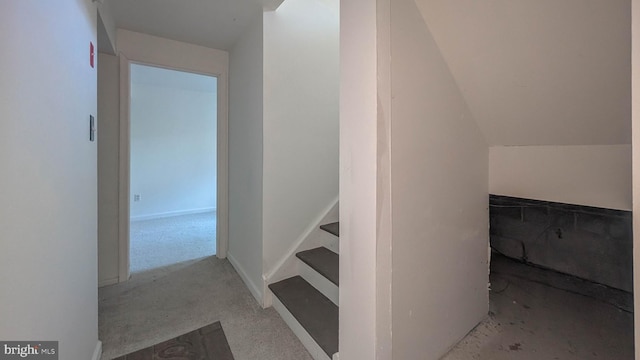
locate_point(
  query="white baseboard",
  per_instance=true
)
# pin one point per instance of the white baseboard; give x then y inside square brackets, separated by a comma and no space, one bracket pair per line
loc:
[97,353]
[311,345]
[172,213]
[245,277]
[107,282]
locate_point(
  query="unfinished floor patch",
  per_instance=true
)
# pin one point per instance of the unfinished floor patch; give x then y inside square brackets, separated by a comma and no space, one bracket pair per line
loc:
[530,320]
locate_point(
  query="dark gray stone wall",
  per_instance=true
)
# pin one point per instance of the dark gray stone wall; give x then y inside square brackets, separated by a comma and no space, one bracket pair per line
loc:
[591,243]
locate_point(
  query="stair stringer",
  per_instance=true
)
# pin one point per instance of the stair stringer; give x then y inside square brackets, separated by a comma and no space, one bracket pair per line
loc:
[311,238]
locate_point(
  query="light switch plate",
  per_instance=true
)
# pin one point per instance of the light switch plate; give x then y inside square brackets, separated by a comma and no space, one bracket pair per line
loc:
[92,128]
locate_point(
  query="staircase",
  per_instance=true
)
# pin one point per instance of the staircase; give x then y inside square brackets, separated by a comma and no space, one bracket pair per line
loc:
[308,302]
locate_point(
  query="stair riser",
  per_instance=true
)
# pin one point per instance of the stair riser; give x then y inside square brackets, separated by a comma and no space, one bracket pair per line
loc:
[321,283]
[314,349]
[333,228]
[329,241]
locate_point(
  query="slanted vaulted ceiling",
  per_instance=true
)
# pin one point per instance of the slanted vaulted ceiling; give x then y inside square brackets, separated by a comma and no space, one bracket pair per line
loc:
[533,72]
[215,24]
[540,72]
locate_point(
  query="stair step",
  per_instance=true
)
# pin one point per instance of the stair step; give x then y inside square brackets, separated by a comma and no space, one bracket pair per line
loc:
[333,228]
[314,311]
[324,261]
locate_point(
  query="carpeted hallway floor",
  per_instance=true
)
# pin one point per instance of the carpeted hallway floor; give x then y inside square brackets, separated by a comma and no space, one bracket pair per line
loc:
[177,286]
[161,242]
[160,304]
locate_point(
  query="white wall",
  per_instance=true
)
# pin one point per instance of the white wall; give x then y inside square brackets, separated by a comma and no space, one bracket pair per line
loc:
[540,72]
[358,186]
[384,211]
[173,142]
[109,131]
[178,55]
[164,53]
[48,270]
[635,30]
[545,73]
[106,28]
[245,158]
[413,191]
[283,133]
[439,181]
[594,175]
[300,158]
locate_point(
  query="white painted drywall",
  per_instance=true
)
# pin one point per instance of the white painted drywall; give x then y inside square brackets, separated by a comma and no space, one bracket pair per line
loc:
[109,131]
[245,158]
[300,120]
[545,73]
[106,28]
[173,142]
[635,30]
[439,182]
[212,24]
[173,54]
[166,53]
[152,50]
[540,72]
[384,226]
[591,175]
[48,262]
[358,192]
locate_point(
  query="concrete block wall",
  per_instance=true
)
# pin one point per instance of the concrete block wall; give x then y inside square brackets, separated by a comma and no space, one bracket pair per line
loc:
[591,243]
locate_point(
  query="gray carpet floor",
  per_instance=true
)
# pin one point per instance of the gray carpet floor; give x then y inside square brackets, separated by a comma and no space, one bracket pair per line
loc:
[163,303]
[161,242]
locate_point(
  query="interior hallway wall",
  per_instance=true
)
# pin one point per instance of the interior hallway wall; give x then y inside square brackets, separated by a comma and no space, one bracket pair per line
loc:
[439,203]
[365,299]
[540,72]
[106,28]
[591,175]
[245,157]
[549,85]
[161,52]
[108,140]
[48,270]
[635,30]
[300,158]
[173,142]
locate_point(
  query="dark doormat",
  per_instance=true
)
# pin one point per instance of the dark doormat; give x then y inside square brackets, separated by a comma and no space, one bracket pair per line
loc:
[206,343]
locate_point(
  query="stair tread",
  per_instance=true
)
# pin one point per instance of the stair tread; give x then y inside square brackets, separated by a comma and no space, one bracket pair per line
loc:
[324,261]
[314,311]
[333,228]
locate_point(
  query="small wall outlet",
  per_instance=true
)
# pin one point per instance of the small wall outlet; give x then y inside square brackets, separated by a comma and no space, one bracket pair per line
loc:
[136,197]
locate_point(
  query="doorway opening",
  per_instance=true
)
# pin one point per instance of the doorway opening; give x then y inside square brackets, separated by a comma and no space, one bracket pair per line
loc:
[173,166]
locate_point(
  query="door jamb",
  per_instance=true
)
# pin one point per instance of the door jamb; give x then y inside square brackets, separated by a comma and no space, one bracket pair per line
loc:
[222,172]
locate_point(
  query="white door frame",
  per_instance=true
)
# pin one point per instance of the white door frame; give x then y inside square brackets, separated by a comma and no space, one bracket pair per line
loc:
[220,71]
